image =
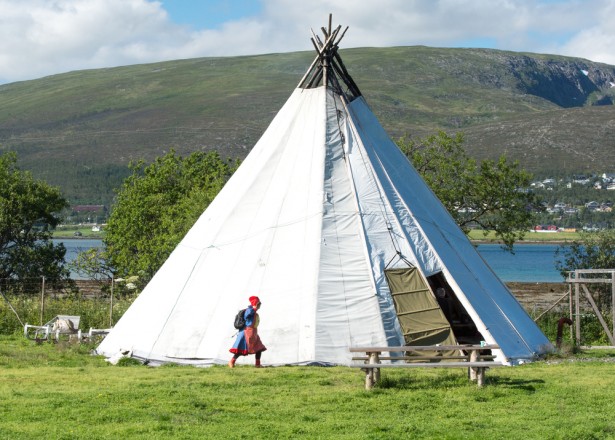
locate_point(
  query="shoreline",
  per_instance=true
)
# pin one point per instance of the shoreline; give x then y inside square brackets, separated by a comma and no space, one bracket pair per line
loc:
[525,242]
[475,242]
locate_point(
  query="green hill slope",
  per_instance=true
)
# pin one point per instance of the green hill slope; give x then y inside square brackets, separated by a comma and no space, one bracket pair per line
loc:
[79,130]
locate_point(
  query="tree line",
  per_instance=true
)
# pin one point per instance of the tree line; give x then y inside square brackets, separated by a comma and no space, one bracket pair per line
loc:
[158,203]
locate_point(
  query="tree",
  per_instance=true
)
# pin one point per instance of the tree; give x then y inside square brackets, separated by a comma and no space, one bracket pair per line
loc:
[155,208]
[594,250]
[93,263]
[489,195]
[28,214]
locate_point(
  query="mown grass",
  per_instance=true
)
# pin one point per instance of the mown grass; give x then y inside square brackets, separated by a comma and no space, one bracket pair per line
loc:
[60,391]
[530,237]
[86,232]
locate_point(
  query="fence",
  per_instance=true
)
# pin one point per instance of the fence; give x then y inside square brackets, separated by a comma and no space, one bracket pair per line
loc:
[101,303]
[36,301]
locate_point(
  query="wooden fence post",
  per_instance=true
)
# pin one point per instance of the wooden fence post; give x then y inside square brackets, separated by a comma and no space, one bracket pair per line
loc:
[111,304]
[42,301]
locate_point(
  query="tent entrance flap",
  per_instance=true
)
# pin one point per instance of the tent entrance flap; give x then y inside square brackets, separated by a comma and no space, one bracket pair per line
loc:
[420,316]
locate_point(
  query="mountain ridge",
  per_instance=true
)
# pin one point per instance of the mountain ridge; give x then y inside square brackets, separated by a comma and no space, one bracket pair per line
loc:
[546,111]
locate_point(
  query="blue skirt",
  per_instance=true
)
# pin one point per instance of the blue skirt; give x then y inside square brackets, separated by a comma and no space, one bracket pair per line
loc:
[241,345]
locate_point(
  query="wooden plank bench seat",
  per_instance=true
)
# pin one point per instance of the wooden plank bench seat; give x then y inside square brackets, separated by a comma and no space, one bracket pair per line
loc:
[470,357]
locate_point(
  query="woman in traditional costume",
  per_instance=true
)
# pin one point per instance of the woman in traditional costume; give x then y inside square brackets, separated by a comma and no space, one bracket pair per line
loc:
[248,341]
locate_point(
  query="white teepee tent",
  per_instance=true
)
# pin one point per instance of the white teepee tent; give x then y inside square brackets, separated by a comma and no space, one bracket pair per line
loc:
[330,225]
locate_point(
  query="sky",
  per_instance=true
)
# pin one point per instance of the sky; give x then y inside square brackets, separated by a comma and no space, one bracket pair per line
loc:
[46,37]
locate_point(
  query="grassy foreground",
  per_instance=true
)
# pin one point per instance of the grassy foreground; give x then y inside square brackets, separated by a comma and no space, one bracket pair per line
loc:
[60,391]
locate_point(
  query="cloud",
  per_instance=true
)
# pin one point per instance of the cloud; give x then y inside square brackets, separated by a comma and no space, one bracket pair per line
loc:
[43,37]
[596,42]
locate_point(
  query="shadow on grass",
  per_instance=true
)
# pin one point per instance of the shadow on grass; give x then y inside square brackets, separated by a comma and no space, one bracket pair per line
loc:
[519,384]
[410,382]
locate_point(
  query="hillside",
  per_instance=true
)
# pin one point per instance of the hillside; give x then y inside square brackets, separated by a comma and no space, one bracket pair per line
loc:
[80,129]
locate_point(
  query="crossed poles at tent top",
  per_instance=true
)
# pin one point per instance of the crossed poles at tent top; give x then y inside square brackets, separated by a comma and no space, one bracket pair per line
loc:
[328,68]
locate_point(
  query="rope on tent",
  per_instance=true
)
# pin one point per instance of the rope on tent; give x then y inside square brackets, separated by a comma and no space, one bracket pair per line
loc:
[11,307]
[339,114]
[401,258]
[384,205]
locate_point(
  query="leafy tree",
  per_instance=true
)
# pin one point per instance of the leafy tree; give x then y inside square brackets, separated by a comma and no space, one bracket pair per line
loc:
[487,195]
[594,250]
[93,263]
[28,214]
[155,208]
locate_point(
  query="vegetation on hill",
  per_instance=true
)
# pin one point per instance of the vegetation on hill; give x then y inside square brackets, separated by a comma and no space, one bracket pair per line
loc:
[80,130]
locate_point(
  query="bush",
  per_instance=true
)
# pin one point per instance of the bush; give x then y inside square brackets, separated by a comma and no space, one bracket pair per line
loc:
[592,332]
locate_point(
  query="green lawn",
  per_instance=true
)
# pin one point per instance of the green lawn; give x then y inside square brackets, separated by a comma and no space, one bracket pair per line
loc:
[530,237]
[60,391]
[78,232]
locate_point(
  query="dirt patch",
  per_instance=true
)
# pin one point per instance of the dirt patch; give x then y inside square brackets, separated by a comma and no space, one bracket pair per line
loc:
[539,296]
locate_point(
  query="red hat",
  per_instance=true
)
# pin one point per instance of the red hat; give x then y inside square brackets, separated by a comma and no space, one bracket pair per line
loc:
[254,300]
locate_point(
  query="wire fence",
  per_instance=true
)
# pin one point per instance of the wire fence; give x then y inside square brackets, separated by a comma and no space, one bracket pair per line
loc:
[100,304]
[36,301]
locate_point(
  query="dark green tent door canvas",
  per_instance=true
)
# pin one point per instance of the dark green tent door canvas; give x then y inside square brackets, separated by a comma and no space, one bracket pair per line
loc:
[420,317]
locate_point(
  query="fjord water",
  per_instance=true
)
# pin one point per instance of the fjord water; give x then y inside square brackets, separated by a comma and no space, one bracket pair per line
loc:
[529,263]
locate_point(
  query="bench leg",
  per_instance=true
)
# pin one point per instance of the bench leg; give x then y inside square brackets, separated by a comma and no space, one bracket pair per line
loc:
[369,378]
[480,376]
[472,371]
[372,375]
[477,374]
[472,374]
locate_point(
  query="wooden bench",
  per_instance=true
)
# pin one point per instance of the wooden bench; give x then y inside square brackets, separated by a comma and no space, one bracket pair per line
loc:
[469,356]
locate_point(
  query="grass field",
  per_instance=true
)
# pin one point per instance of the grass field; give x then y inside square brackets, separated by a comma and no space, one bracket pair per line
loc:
[68,232]
[530,237]
[60,391]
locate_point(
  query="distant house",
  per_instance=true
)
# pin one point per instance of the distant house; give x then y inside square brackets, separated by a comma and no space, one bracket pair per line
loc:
[546,228]
[592,206]
[581,179]
[560,206]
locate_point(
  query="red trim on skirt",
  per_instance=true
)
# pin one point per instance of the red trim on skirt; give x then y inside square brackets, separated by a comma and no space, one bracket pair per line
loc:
[238,351]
